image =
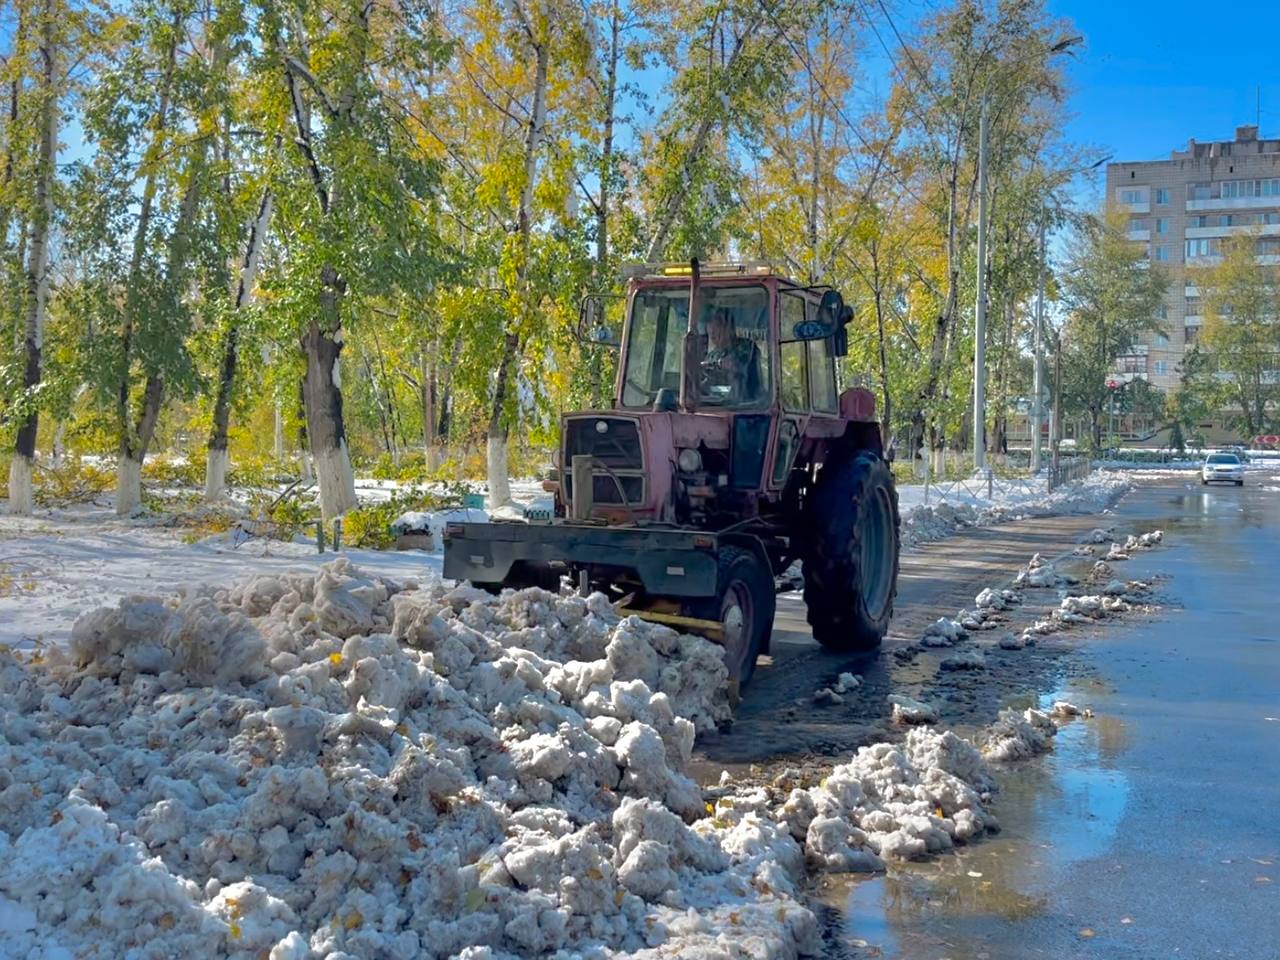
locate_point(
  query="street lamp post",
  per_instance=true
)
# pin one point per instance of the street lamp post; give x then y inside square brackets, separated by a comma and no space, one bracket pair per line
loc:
[1037,388]
[980,325]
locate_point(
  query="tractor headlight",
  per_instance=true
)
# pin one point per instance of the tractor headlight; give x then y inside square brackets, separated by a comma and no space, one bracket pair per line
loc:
[689,461]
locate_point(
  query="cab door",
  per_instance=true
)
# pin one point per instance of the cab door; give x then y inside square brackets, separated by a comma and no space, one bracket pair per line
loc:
[794,389]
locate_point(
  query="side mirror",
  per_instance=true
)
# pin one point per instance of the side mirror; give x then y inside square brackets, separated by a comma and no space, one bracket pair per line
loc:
[830,308]
[594,323]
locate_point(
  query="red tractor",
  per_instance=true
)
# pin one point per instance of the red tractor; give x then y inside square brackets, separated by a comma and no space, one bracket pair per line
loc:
[728,452]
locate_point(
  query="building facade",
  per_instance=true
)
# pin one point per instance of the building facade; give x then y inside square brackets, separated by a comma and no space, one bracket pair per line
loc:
[1181,209]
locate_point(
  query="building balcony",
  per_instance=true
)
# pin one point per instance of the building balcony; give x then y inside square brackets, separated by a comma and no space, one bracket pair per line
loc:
[1262,230]
[1142,206]
[1191,290]
[1193,320]
[1234,203]
[1138,235]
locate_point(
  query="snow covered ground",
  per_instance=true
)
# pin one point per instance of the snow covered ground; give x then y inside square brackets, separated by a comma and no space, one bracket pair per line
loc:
[58,564]
[62,562]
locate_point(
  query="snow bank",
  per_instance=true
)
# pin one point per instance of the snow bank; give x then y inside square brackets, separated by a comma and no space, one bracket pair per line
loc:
[338,765]
[923,524]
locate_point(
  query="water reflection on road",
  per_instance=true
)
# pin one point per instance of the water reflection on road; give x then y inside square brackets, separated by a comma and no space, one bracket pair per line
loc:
[1054,813]
[1148,832]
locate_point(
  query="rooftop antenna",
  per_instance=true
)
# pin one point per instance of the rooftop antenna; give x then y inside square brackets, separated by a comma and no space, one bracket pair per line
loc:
[1258,109]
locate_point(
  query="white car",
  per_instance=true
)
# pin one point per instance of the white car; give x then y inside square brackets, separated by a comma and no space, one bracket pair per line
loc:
[1222,467]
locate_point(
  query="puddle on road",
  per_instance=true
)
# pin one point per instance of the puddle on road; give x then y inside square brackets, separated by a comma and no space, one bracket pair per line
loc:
[1057,811]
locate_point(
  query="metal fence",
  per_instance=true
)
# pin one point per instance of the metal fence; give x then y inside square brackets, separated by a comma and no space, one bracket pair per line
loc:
[1067,470]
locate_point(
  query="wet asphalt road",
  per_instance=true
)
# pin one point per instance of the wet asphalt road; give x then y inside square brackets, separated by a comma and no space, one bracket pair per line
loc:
[1153,829]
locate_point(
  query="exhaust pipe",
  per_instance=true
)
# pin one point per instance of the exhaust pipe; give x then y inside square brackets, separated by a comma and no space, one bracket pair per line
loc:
[688,346]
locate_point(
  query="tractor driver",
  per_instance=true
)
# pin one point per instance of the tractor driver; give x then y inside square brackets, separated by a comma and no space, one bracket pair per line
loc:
[731,360]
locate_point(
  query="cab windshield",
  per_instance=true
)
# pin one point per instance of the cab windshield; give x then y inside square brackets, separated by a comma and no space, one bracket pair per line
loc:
[732,347]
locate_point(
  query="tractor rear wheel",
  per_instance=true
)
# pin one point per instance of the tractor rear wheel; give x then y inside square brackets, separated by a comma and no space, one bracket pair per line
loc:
[744,606]
[851,553]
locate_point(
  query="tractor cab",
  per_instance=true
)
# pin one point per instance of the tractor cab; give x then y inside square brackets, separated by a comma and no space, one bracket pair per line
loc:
[741,349]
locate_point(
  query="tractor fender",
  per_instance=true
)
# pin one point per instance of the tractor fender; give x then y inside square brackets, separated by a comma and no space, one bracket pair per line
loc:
[752,543]
[859,437]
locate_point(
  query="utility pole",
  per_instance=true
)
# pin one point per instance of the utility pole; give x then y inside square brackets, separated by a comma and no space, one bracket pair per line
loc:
[980,326]
[1055,425]
[1037,388]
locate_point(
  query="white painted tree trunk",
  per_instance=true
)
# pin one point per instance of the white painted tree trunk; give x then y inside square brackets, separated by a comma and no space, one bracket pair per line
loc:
[37,270]
[499,473]
[336,480]
[308,475]
[128,486]
[21,500]
[215,474]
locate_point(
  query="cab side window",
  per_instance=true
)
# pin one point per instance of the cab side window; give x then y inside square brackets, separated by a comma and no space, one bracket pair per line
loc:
[795,381]
[822,375]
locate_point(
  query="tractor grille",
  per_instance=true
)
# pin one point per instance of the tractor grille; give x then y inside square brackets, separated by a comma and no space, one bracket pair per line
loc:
[619,459]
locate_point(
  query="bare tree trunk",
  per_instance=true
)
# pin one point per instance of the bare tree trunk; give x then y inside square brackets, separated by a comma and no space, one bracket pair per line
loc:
[497,460]
[37,293]
[322,395]
[886,401]
[215,476]
[697,145]
[130,468]
[322,340]
[426,384]
[606,174]
[129,464]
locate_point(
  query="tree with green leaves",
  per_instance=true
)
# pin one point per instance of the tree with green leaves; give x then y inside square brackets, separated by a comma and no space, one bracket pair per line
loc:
[42,104]
[353,193]
[1001,54]
[1112,293]
[1242,332]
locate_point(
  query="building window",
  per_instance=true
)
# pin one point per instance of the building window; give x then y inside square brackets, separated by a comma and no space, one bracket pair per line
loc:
[1251,188]
[1164,312]
[1132,196]
[1162,223]
[1189,334]
[1162,367]
[1162,252]
[1193,306]
[1197,191]
[1161,340]
[1162,196]
[1137,223]
[1203,247]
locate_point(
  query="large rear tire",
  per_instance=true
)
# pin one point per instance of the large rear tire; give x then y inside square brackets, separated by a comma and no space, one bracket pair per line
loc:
[744,605]
[851,553]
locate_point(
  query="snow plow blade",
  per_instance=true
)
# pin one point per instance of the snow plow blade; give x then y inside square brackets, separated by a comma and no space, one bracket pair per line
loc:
[672,563]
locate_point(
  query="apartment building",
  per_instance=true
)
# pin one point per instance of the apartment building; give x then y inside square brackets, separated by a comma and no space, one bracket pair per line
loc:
[1181,209]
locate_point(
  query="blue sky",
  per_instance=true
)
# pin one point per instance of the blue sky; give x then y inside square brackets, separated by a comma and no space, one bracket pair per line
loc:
[1153,74]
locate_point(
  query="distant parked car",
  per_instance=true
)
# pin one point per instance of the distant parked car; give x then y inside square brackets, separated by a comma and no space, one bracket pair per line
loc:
[1222,467]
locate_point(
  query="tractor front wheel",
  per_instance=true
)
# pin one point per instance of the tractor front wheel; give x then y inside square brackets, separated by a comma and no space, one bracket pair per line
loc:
[744,606]
[851,553]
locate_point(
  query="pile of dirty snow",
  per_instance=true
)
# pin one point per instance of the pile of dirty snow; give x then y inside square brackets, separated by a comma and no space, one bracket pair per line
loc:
[337,765]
